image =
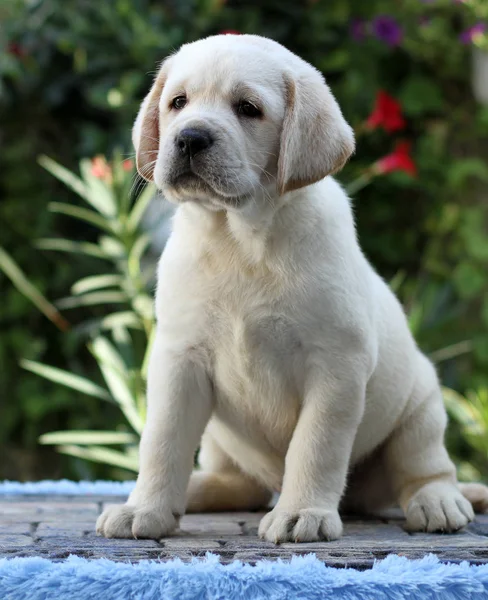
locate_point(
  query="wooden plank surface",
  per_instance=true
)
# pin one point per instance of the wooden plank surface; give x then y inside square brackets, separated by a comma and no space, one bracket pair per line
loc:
[55,527]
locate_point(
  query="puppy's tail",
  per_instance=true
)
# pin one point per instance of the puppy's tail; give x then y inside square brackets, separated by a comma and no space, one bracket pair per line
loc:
[477,494]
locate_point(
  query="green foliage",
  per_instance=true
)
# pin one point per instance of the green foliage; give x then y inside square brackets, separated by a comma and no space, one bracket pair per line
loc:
[106,188]
[470,412]
[71,78]
[118,341]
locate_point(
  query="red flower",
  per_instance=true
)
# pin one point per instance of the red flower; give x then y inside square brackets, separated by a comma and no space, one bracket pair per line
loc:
[230,32]
[398,160]
[128,164]
[16,49]
[387,113]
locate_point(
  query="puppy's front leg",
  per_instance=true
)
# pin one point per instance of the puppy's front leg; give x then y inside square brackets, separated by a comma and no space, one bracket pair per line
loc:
[179,406]
[317,462]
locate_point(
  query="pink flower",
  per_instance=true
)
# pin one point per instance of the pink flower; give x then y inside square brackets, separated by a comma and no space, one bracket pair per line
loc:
[128,164]
[101,169]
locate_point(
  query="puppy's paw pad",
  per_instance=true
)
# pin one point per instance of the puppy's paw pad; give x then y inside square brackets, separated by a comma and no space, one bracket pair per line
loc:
[305,525]
[125,521]
[438,508]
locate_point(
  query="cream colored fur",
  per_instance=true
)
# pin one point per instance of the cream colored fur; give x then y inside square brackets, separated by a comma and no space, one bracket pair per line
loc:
[278,347]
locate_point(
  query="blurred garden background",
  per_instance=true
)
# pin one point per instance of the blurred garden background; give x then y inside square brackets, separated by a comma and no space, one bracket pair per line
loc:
[80,234]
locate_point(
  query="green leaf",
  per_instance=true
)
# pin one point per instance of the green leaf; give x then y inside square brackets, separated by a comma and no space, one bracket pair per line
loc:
[461,170]
[147,355]
[123,396]
[451,351]
[397,281]
[125,347]
[415,317]
[481,347]
[467,472]
[123,318]
[470,414]
[140,207]
[96,282]
[337,60]
[420,95]
[106,354]
[144,306]
[136,253]
[112,247]
[470,279]
[89,216]
[118,319]
[114,372]
[473,233]
[122,337]
[62,245]
[70,380]
[102,455]
[64,175]
[484,310]
[88,437]
[458,406]
[25,287]
[92,298]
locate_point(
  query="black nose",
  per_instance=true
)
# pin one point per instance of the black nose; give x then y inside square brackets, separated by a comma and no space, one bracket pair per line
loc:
[191,141]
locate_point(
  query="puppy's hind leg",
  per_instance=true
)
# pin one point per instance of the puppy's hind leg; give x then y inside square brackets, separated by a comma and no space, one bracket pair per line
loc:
[220,485]
[477,494]
[421,472]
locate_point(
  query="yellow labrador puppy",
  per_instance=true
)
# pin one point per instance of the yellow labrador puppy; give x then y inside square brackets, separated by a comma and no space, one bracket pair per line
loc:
[278,347]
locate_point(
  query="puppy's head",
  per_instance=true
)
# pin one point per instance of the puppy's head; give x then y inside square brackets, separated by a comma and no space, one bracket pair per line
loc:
[231,115]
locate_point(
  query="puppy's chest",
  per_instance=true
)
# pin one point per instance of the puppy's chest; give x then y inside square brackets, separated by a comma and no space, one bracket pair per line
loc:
[256,352]
[251,337]
[246,326]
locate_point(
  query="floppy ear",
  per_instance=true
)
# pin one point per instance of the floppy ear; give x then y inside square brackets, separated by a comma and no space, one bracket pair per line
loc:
[145,133]
[316,139]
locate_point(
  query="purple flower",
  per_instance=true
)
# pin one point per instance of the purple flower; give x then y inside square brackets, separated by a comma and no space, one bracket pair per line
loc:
[357,29]
[468,36]
[387,30]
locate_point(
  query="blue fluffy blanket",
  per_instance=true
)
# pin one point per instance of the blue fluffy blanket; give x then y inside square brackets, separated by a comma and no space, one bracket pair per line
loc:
[304,578]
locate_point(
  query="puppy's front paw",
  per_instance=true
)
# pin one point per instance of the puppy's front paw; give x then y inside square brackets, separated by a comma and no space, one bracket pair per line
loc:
[438,506]
[126,521]
[305,525]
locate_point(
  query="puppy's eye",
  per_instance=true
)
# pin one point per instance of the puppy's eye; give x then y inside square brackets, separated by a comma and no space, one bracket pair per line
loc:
[248,109]
[179,102]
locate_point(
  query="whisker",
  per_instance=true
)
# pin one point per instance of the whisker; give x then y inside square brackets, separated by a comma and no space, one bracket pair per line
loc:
[138,181]
[153,139]
[136,186]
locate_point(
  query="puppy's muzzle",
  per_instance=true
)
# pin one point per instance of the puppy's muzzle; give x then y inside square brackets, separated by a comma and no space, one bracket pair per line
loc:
[191,141]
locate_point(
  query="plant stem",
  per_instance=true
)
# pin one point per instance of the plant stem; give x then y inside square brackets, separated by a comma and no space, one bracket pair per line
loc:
[359,183]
